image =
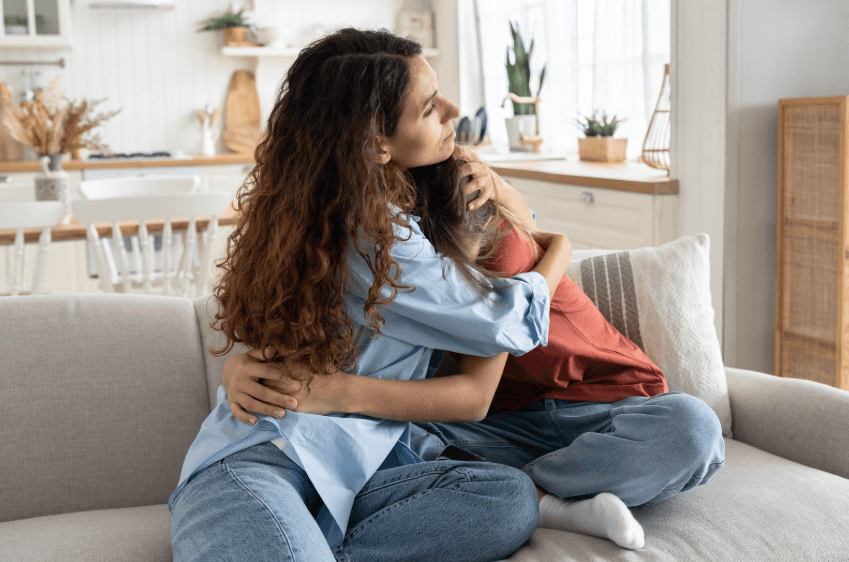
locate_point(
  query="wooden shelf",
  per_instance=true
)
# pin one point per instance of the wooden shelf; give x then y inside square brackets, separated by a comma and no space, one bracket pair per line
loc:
[290,52]
[67,165]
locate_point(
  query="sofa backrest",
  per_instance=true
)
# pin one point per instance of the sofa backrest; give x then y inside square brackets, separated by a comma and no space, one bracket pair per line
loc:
[206,307]
[102,396]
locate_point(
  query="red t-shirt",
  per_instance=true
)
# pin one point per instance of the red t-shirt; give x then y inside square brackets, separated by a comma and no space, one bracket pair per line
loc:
[586,358]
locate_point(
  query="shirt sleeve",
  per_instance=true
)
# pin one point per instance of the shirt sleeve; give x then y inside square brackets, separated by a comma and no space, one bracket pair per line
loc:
[444,312]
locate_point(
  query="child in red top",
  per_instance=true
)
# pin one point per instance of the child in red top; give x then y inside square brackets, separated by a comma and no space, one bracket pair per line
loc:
[586,357]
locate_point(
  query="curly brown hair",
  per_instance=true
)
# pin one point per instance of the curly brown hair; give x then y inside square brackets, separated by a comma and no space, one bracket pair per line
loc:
[316,189]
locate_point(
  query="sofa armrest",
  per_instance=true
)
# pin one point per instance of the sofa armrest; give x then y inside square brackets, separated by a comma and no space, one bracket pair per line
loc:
[800,420]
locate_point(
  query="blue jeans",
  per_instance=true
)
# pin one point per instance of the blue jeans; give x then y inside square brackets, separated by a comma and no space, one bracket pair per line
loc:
[259,505]
[641,449]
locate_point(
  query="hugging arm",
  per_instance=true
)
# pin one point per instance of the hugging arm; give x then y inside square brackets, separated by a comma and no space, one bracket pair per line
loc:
[465,396]
[462,397]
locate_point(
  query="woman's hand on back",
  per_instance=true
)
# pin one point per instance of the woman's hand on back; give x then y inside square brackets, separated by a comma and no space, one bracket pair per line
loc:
[242,379]
[253,385]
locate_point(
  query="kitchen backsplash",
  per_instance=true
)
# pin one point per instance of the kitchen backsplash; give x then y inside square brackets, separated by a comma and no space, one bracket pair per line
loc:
[156,67]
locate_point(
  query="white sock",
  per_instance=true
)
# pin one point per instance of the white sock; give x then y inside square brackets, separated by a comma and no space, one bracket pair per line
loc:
[604,516]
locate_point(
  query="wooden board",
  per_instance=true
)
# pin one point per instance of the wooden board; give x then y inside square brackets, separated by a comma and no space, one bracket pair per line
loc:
[242,116]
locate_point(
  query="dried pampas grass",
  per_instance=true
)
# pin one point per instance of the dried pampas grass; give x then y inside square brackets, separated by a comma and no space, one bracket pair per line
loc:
[33,123]
[80,121]
[53,123]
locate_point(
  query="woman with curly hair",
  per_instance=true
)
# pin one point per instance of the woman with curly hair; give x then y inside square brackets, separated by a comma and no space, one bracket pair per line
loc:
[589,416]
[328,270]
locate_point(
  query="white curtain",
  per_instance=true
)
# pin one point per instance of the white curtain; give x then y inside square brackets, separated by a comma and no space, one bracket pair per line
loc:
[604,55]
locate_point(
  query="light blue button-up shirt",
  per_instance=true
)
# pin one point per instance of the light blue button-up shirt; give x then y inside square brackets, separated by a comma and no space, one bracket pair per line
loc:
[341,452]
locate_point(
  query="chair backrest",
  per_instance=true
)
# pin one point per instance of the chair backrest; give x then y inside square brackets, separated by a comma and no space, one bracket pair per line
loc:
[17,191]
[178,272]
[137,187]
[20,216]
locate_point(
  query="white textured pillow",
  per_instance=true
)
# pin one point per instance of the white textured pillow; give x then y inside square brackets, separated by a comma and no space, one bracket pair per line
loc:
[659,298]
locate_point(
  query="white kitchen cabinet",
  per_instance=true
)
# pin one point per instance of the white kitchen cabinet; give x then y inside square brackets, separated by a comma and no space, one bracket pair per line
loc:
[595,217]
[36,23]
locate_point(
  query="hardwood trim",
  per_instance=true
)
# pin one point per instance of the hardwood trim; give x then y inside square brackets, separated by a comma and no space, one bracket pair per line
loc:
[75,230]
[220,159]
[779,239]
[813,101]
[841,376]
[661,186]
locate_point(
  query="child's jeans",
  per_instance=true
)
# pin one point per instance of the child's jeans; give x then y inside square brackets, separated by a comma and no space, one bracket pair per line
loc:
[641,449]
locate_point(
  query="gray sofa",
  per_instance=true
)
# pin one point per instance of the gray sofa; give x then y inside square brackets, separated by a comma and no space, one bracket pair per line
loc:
[103,394]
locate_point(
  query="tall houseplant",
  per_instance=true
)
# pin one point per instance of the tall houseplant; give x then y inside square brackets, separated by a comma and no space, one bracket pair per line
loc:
[524,120]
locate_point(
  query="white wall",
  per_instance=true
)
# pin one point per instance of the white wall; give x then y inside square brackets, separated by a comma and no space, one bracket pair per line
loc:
[777,49]
[697,144]
[155,66]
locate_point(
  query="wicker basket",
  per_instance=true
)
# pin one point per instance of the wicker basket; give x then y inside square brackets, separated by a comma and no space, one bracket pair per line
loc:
[602,149]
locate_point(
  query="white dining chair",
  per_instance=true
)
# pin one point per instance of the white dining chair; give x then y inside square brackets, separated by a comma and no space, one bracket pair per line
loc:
[179,274]
[20,216]
[17,191]
[137,187]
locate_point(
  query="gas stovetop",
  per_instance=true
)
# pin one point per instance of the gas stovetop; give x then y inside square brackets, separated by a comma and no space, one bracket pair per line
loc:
[124,156]
[159,155]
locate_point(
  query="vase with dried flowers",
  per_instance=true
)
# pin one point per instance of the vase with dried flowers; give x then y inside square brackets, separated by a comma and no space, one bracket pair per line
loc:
[52,125]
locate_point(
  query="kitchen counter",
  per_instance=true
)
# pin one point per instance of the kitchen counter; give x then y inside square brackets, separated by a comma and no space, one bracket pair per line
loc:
[629,176]
[626,176]
[75,230]
[217,160]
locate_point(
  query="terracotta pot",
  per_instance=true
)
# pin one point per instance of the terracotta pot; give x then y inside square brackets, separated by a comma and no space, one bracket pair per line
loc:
[234,35]
[602,149]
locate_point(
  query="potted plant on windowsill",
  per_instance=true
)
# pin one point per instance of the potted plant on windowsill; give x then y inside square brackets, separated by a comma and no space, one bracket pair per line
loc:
[233,27]
[599,144]
[524,120]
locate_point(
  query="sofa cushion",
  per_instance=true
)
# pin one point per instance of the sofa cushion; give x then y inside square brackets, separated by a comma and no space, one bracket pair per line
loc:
[102,396]
[757,508]
[659,298]
[129,534]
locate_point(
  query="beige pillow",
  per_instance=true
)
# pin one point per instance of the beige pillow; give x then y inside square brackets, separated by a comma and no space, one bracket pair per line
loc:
[659,298]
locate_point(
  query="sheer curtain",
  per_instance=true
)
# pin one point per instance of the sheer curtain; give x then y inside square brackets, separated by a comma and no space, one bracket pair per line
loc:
[604,55]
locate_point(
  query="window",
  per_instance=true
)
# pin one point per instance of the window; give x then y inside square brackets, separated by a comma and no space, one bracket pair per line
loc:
[605,55]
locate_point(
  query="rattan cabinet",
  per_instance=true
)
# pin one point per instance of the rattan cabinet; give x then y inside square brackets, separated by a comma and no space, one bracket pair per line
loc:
[812,259]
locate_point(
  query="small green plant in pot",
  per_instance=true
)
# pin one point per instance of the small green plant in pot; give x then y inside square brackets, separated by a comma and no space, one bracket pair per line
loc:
[524,121]
[233,27]
[599,144]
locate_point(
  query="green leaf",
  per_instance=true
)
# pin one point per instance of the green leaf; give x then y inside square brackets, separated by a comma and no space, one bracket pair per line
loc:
[541,79]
